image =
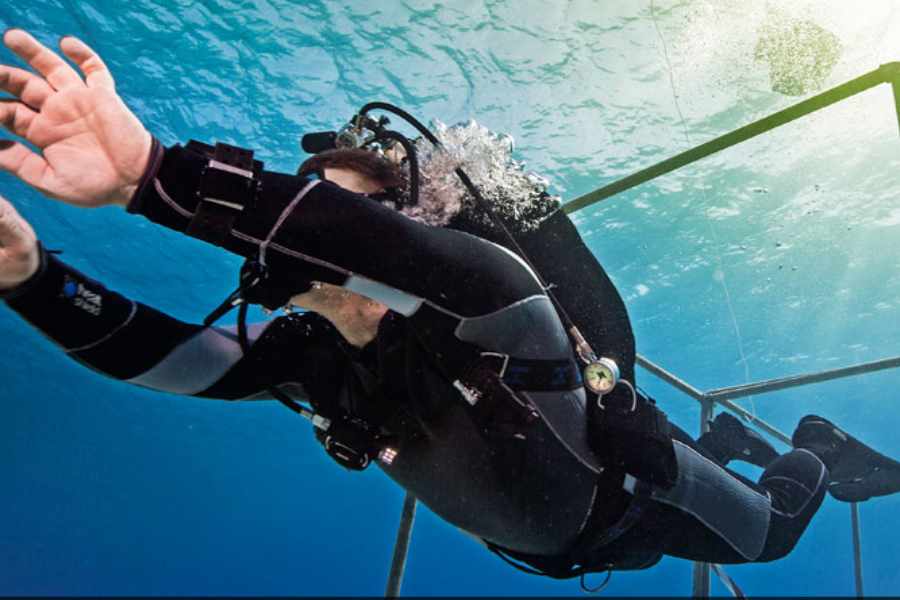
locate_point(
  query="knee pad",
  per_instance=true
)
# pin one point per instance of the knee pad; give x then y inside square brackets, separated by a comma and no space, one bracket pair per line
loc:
[793,480]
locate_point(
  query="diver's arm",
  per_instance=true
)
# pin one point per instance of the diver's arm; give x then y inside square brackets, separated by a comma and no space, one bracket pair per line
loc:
[135,343]
[85,147]
[317,230]
[92,151]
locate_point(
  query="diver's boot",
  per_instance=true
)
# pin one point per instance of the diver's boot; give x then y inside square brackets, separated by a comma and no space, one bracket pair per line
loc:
[728,439]
[856,471]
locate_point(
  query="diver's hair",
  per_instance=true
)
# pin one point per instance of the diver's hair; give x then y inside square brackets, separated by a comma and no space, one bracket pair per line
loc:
[364,162]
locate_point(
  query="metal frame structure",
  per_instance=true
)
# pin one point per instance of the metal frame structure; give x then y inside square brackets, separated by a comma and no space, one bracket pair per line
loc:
[724,397]
[888,73]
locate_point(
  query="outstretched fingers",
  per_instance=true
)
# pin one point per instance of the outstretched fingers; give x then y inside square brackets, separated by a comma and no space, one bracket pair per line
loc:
[55,70]
[17,159]
[95,72]
[25,85]
[16,117]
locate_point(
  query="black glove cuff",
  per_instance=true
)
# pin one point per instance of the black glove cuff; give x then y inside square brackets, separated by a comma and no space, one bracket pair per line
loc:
[157,151]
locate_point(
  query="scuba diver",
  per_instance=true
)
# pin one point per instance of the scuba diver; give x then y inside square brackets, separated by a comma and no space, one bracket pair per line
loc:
[467,343]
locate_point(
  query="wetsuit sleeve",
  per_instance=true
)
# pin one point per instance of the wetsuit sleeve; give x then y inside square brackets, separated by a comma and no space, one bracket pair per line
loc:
[316,230]
[135,343]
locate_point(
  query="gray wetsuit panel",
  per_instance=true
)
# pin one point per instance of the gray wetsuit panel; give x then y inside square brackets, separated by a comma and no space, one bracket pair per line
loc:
[199,362]
[528,329]
[724,504]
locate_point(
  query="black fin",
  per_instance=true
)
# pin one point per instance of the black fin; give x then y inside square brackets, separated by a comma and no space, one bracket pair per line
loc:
[728,439]
[857,471]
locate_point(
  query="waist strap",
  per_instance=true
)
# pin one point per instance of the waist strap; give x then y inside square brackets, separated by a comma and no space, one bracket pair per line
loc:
[534,375]
[591,552]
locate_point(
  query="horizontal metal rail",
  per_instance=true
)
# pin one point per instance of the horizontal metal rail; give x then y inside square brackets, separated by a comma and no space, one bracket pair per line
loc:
[670,378]
[723,396]
[887,73]
[705,398]
[752,418]
[774,385]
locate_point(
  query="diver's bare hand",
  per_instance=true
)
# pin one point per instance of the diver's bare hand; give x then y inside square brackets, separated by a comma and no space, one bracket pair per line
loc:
[19,258]
[93,148]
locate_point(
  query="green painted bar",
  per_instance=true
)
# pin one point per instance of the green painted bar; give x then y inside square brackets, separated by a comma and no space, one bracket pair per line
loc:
[889,72]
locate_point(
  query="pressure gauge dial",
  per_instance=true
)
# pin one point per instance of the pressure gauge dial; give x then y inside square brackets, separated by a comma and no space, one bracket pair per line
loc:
[601,376]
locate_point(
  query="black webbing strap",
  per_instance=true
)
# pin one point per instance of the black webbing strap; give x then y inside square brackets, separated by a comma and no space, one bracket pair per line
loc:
[534,375]
[590,541]
[589,555]
[635,436]
[228,186]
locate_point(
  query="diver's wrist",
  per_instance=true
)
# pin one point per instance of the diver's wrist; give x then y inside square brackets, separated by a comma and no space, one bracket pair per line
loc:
[35,271]
[131,196]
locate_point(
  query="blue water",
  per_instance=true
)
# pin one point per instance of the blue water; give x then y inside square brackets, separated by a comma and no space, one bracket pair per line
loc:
[774,258]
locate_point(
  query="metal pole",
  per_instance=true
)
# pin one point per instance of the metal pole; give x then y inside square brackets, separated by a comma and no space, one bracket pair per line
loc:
[774,385]
[701,570]
[896,85]
[723,396]
[857,551]
[728,582]
[401,548]
[702,397]
[885,73]
[670,378]
[701,580]
[740,410]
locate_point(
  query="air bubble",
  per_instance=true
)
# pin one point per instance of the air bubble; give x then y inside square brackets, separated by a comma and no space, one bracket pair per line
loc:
[517,196]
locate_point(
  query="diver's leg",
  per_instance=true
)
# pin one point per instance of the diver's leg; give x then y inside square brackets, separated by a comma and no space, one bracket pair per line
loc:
[825,458]
[795,483]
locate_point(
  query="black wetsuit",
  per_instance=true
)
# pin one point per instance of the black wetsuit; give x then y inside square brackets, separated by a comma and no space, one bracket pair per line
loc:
[532,486]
